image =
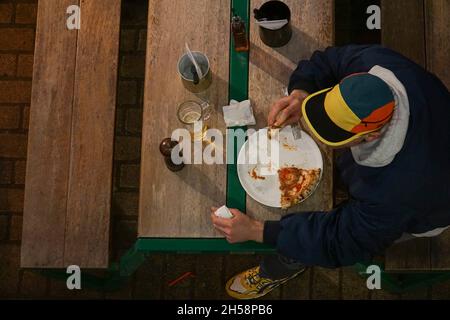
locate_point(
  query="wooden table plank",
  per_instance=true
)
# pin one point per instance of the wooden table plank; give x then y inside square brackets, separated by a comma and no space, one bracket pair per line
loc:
[438,34]
[412,255]
[429,47]
[405,35]
[90,183]
[440,251]
[49,138]
[270,68]
[177,204]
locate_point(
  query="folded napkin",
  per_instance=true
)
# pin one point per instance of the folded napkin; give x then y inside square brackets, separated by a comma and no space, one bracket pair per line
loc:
[238,114]
[224,212]
[272,24]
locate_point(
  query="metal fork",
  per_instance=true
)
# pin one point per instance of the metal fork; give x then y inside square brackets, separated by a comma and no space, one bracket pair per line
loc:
[296,130]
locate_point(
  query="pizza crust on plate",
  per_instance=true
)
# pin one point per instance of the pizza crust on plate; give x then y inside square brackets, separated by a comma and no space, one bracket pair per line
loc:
[296,184]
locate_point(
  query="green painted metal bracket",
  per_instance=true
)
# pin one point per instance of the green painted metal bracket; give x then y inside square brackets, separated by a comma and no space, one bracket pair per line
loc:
[132,260]
[238,90]
[402,282]
[199,245]
[143,247]
[105,280]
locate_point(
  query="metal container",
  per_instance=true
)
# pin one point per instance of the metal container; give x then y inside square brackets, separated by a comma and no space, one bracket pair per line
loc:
[185,70]
[274,10]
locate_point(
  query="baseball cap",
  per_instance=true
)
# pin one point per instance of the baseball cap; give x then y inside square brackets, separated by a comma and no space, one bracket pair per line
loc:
[359,104]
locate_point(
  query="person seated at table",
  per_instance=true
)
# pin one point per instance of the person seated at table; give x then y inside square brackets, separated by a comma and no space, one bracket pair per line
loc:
[392,118]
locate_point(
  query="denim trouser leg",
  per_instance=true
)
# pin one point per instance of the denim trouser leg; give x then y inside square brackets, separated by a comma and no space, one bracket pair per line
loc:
[277,267]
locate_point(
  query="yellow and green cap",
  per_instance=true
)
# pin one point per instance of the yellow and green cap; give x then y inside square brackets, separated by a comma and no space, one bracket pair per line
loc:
[359,104]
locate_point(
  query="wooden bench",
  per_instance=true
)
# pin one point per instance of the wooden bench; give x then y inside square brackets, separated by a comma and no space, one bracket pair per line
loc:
[420,29]
[70,149]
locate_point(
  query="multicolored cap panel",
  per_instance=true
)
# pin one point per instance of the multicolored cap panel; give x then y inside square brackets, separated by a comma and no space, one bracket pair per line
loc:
[360,104]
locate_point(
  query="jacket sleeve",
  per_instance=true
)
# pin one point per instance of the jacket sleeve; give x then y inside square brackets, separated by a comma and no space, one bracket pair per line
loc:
[349,234]
[327,68]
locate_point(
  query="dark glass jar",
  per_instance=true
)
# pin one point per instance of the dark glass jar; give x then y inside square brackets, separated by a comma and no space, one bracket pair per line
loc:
[165,147]
[239,34]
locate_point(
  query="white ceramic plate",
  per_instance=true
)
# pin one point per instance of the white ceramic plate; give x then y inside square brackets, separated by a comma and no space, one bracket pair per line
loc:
[302,153]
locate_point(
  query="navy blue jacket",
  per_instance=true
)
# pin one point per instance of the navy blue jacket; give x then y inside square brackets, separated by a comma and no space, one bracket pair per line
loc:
[411,194]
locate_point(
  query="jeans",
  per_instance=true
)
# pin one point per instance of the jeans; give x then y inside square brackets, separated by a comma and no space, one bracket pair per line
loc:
[277,267]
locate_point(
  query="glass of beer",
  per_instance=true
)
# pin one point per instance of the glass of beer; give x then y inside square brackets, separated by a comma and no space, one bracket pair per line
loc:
[193,116]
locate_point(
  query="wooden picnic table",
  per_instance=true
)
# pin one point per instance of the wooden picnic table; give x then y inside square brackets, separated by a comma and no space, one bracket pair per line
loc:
[176,205]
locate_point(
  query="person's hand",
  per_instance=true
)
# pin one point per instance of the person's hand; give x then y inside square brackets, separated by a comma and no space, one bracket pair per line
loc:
[287,110]
[240,228]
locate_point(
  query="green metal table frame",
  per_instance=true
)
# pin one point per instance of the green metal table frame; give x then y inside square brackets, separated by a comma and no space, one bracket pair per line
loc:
[401,282]
[120,272]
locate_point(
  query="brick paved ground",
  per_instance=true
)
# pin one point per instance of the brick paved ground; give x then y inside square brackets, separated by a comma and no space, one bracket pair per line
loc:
[17,28]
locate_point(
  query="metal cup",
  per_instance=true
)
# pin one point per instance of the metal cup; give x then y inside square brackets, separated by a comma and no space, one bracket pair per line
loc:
[188,77]
[274,10]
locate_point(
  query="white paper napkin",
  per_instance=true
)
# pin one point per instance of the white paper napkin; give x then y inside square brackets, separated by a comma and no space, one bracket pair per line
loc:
[238,114]
[224,212]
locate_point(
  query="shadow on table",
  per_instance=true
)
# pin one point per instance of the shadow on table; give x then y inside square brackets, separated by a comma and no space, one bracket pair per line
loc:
[270,64]
[213,93]
[196,177]
[294,51]
[300,42]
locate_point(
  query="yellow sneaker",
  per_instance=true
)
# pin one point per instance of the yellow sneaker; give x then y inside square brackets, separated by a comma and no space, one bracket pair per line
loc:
[250,285]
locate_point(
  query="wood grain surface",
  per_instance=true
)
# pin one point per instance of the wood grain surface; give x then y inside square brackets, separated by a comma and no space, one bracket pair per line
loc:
[48,159]
[437,38]
[406,34]
[89,197]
